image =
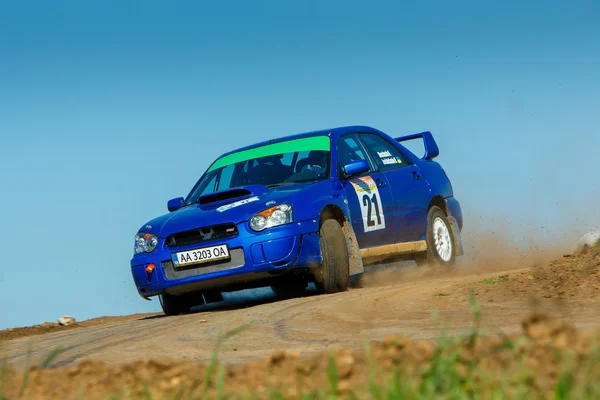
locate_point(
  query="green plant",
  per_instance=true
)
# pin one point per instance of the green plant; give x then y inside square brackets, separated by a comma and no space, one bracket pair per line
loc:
[25,380]
[332,376]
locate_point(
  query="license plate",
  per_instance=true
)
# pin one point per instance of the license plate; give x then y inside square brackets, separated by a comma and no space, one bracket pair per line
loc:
[199,256]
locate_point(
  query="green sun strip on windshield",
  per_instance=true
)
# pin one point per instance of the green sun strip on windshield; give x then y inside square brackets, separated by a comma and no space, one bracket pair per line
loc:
[289,146]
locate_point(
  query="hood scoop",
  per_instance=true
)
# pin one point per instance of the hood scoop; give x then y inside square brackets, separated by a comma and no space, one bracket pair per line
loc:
[220,196]
[232,194]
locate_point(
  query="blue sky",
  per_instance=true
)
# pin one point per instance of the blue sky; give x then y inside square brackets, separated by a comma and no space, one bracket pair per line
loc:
[108,109]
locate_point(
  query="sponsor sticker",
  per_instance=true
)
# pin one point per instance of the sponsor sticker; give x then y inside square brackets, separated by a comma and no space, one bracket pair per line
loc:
[387,158]
[236,204]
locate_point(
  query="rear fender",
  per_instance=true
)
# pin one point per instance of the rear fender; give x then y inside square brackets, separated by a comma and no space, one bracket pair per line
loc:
[457,237]
[456,222]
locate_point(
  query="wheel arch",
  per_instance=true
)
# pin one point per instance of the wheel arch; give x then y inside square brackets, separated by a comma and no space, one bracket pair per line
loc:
[332,211]
[441,202]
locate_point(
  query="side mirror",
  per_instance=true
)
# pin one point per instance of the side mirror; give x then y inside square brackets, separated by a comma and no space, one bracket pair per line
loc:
[175,204]
[356,167]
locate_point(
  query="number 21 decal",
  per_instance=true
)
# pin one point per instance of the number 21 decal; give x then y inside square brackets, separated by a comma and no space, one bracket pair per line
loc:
[370,203]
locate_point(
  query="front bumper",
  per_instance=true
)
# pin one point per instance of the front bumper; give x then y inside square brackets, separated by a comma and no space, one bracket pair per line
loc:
[254,256]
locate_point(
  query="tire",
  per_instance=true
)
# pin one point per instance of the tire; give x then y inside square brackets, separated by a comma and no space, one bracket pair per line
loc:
[288,288]
[336,260]
[441,244]
[173,305]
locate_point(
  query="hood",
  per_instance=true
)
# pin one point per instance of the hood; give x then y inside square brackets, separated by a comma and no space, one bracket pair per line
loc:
[234,205]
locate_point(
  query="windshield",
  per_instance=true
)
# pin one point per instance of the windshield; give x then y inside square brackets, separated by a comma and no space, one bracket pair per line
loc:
[292,161]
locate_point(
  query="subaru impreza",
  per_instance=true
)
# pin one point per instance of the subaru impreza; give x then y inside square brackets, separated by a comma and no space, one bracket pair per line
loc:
[314,207]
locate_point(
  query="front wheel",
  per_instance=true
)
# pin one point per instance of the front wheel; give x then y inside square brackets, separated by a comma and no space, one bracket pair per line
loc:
[174,305]
[336,260]
[441,245]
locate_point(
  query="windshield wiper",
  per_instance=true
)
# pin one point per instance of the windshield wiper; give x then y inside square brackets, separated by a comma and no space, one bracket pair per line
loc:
[295,182]
[280,184]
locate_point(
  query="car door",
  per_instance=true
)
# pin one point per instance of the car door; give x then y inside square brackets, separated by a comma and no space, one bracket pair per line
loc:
[410,191]
[369,197]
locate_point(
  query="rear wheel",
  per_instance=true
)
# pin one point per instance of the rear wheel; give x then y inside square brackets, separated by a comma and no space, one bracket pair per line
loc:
[335,269]
[174,305]
[441,249]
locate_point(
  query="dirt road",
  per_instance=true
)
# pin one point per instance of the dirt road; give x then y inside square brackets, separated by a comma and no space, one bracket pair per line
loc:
[393,301]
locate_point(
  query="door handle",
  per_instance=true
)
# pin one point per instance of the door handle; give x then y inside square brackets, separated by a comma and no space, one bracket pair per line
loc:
[380,183]
[416,175]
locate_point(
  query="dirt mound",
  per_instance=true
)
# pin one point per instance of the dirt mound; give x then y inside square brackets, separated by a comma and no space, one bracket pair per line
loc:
[576,276]
[535,360]
[572,277]
[50,327]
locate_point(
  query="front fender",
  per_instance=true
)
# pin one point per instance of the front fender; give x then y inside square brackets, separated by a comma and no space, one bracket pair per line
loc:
[311,205]
[341,204]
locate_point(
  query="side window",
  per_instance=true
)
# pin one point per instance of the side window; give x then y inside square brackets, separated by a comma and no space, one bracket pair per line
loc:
[386,156]
[349,151]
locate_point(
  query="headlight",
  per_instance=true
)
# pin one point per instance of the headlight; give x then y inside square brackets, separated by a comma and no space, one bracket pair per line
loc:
[274,216]
[145,242]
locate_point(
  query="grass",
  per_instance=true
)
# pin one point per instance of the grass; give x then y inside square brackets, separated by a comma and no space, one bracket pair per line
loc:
[447,374]
[497,279]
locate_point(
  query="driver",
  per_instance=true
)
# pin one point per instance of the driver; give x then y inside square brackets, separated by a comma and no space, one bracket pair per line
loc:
[317,162]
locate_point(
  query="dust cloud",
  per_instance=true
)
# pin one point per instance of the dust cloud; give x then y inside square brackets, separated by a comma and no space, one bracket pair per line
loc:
[490,244]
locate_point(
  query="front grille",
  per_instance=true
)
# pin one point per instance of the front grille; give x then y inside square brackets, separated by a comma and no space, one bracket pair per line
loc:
[203,234]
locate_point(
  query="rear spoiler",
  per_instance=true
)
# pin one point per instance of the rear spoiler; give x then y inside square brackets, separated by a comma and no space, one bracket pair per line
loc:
[431,147]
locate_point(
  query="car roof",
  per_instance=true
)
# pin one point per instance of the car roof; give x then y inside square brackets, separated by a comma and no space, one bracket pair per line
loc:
[332,132]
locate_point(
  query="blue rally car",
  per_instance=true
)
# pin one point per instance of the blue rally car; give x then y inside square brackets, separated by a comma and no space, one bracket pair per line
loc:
[314,207]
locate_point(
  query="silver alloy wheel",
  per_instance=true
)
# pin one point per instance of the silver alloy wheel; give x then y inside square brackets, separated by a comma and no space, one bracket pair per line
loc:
[442,240]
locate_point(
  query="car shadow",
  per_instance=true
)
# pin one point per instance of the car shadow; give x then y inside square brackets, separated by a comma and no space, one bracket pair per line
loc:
[255,297]
[240,300]
[246,299]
